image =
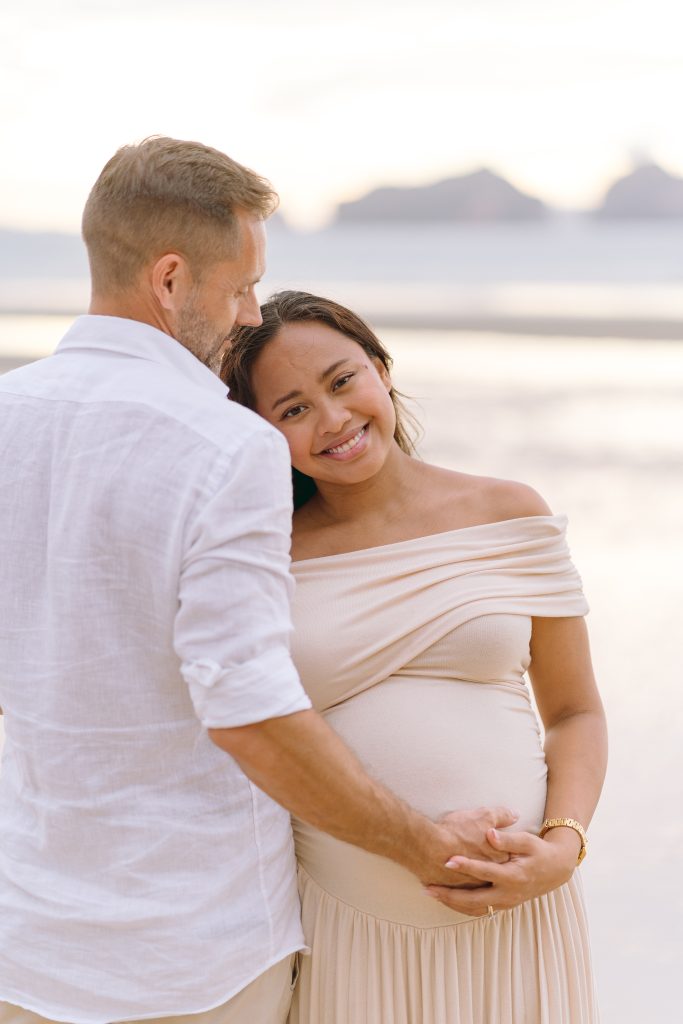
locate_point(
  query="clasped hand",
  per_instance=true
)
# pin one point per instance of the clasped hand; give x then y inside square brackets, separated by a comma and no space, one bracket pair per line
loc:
[518,866]
[466,832]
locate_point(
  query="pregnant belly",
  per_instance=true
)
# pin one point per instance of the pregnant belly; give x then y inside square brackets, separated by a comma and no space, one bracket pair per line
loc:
[441,745]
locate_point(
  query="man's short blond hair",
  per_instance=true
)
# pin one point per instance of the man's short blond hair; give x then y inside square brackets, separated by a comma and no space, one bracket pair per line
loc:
[167,195]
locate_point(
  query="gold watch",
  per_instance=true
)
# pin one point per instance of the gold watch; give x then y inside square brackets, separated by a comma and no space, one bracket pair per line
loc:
[567,823]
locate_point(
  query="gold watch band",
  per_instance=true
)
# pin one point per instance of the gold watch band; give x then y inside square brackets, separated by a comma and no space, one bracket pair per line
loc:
[567,823]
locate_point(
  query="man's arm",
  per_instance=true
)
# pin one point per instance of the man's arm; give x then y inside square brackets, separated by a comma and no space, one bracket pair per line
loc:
[303,765]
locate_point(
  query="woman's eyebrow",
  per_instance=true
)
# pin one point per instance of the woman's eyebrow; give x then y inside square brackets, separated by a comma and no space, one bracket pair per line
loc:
[323,376]
[330,369]
[285,398]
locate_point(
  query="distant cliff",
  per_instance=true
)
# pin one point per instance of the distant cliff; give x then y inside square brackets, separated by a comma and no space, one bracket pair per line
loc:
[649,191]
[480,196]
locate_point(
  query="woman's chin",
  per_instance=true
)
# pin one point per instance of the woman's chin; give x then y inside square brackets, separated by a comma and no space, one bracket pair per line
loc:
[357,470]
[349,475]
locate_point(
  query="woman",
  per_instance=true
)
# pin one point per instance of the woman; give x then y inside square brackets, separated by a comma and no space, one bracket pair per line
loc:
[423,596]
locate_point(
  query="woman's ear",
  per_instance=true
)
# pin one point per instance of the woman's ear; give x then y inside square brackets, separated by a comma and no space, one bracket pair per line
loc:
[383,372]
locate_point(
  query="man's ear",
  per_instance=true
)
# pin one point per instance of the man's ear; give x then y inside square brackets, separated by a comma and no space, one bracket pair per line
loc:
[171,281]
[383,372]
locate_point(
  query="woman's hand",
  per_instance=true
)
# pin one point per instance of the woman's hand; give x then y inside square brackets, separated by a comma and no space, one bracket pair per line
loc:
[535,867]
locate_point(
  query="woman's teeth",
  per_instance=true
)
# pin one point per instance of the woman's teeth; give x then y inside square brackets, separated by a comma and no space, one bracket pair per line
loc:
[348,445]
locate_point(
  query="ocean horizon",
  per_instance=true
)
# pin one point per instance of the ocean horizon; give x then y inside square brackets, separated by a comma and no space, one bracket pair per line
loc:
[568,276]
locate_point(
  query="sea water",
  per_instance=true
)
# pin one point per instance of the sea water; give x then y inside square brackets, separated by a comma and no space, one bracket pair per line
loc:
[596,425]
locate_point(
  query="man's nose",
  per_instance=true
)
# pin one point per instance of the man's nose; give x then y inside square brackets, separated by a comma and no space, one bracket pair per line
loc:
[250,312]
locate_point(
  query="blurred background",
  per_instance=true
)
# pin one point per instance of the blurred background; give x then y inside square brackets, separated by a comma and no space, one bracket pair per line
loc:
[498,188]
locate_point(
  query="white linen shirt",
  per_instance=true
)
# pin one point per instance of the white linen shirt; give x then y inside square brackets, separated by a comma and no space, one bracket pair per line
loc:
[144,553]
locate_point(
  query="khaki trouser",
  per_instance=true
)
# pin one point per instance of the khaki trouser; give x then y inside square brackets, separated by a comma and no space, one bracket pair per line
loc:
[265,1001]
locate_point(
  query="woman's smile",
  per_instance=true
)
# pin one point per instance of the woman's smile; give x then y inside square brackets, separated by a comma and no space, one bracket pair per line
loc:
[349,446]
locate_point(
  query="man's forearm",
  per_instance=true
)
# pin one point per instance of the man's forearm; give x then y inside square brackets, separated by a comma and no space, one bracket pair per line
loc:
[303,765]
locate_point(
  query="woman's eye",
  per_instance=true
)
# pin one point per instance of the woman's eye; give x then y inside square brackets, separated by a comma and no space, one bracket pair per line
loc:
[340,381]
[294,411]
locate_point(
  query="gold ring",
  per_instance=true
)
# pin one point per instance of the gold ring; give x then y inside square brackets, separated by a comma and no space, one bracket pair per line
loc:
[489,910]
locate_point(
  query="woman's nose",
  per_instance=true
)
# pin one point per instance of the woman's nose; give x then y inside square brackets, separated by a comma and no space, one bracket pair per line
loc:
[333,416]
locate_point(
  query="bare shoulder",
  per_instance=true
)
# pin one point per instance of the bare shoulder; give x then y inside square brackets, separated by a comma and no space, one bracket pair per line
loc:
[511,499]
[473,499]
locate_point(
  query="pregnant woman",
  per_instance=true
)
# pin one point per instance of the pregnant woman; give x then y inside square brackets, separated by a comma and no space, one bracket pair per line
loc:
[423,597]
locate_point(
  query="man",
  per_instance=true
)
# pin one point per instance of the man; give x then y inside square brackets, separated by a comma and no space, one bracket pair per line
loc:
[153,715]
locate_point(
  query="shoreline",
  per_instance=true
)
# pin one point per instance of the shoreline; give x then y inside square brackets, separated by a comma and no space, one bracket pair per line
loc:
[561,326]
[629,328]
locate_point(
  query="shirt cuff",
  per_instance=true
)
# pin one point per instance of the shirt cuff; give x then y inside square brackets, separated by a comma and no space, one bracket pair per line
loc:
[265,687]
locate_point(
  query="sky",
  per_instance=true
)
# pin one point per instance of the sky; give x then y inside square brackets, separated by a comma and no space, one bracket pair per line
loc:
[329,100]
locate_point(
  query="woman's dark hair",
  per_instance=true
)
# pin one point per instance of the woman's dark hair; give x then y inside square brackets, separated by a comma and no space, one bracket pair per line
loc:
[289,307]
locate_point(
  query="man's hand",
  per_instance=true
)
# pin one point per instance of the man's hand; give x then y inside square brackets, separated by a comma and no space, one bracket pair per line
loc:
[464,834]
[535,867]
[468,831]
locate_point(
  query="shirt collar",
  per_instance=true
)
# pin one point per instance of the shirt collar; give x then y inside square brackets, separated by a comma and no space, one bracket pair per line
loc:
[140,340]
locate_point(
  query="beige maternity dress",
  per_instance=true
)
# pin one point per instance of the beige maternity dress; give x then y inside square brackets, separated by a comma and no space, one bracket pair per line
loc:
[416,652]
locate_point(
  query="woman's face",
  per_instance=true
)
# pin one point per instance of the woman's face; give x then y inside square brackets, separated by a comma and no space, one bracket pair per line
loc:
[329,398]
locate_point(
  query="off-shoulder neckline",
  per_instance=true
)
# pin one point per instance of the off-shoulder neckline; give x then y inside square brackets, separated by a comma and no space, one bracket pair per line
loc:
[550,519]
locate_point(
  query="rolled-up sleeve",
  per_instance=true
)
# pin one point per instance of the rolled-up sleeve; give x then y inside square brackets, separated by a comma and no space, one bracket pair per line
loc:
[233,625]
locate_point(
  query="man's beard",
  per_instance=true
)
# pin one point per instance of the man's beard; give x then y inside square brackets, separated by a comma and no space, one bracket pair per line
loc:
[200,336]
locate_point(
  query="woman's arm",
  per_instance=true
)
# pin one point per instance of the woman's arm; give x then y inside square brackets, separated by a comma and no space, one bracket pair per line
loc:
[564,686]
[568,702]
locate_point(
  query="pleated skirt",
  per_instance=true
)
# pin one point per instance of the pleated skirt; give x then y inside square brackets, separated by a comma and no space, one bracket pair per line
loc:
[529,965]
